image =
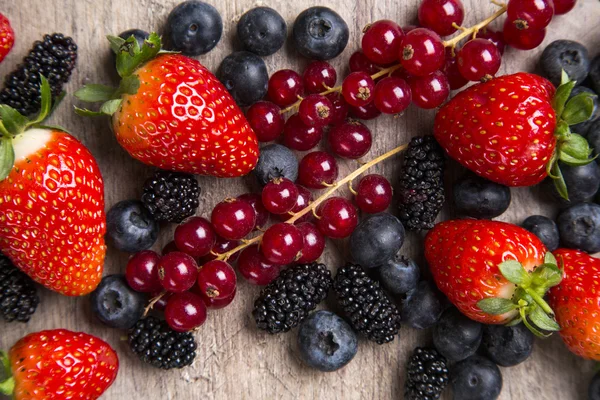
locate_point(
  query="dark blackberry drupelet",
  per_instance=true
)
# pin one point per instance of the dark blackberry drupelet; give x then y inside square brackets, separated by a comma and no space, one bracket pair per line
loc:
[368,307]
[171,196]
[18,295]
[286,301]
[427,375]
[160,346]
[54,57]
[421,189]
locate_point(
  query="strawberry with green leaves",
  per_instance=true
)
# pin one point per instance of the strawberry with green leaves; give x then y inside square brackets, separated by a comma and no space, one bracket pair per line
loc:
[171,112]
[493,272]
[52,220]
[514,129]
[58,365]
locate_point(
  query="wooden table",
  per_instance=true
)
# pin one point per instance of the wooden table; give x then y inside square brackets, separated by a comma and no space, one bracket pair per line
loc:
[235,360]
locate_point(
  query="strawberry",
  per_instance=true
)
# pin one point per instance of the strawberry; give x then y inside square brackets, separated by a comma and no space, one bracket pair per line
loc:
[493,272]
[172,113]
[576,302]
[58,365]
[514,129]
[7,37]
[52,220]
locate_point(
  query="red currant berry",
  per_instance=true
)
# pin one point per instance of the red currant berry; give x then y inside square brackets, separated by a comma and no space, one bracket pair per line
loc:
[195,237]
[303,200]
[422,52]
[266,120]
[299,136]
[430,91]
[522,39]
[392,95]
[440,15]
[279,196]
[217,283]
[281,243]
[337,218]
[317,170]
[177,272]
[315,110]
[408,28]
[373,194]
[142,272]
[563,6]
[359,62]
[352,139]
[319,76]
[357,89]
[479,59]
[185,311]
[161,303]
[455,78]
[255,268]
[169,248]
[381,41]
[233,219]
[221,246]
[314,243]
[530,14]
[284,87]
[340,108]
[366,112]
[255,200]
[495,37]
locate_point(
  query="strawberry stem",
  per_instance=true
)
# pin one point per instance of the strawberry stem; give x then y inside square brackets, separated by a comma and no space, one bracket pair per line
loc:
[540,302]
[7,386]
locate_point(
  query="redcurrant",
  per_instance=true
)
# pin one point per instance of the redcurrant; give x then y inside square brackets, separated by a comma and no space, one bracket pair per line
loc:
[422,52]
[169,248]
[455,78]
[233,219]
[430,91]
[315,110]
[284,87]
[392,95]
[266,120]
[255,200]
[177,272]
[340,108]
[530,14]
[366,112]
[563,6]
[373,194]
[221,246]
[495,37]
[408,28]
[281,243]
[357,89]
[317,170]
[381,41]
[479,59]
[195,237]
[319,76]
[359,62]
[185,311]
[522,39]
[337,218]
[299,136]
[441,15]
[255,268]
[303,200]
[352,139]
[314,243]
[279,196]
[142,272]
[161,303]
[217,283]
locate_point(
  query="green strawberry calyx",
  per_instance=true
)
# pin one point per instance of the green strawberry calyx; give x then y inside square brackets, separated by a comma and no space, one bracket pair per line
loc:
[130,56]
[7,385]
[528,298]
[571,148]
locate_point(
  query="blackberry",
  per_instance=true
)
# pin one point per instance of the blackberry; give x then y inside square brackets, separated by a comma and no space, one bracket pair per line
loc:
[421,190]
[366,304]
[427,375]
[171,196]
[160,346]
[54,57]
[18,295]
[286,301]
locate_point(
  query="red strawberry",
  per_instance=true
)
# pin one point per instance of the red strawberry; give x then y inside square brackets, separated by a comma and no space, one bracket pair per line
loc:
[172,113]
[576,302]
[59,365]
[7,37]
[507,131]
[52,221]
[489,271]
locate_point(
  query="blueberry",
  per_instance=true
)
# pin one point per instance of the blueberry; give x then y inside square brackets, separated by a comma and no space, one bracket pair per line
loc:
[582,183]
[479,198]
[545,229]
[116,304]
[131,227]
[326,342]
[245,75]
[507,345]
[476,378]
[567,55]
[456,336]
[276,161]
[399,275]
[376,239]
[583,127]
[194,28]
[320,33]
[579,227]
[593,137]
[139,35]
[594,388]
[595,73]
[421,309]
[262,31]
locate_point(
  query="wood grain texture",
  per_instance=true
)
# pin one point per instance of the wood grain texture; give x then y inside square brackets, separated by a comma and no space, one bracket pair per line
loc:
[235,361]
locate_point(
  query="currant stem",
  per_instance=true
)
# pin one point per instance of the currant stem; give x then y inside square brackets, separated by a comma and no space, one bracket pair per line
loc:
[468,31]
[153,302]
[315,204]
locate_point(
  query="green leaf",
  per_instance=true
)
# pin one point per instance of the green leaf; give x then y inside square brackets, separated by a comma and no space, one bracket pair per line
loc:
[115,43]
[514,322]
[579,109]
[562,130]
[496,305]
[564,77]
[129,85]
[543,321]
[575,146]
[546,276]
[110,107]
[550,259]
[7,157]
[94,93]
[13,121]
[514,272]
[559,181]
[561,96]
[46,103]
[84,112]
[532,328]
[130,56]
